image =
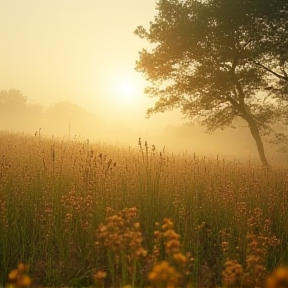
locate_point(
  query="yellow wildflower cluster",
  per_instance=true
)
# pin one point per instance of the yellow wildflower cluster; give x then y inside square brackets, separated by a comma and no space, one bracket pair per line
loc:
[170,238]
[166,235]
[254,273]
[121,232]
[232,274]
[18,278]
[164,276]
[121,236]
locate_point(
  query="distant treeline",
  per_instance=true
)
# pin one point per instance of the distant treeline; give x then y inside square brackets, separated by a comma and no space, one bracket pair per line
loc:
[62,118]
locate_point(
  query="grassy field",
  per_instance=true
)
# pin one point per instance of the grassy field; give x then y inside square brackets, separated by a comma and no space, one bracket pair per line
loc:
[80,213]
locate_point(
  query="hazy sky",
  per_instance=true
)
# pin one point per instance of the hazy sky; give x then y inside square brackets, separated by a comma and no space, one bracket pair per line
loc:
[78,50]
[85,51]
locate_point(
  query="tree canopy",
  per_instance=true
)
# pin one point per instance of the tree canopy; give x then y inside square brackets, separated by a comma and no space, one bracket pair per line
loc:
[17,114]
[218,59]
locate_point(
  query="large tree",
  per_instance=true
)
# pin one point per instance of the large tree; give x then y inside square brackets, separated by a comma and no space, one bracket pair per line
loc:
[272,22]
[215,60]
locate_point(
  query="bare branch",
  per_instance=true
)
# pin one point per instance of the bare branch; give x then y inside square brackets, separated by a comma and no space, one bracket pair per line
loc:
[271,71]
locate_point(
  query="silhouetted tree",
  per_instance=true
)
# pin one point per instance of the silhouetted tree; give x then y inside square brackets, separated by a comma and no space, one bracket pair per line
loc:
[12,102]
[13,108]
[67,117]
[210,59]
[17,114]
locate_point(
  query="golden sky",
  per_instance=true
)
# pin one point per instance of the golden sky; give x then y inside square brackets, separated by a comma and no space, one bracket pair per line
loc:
[84,51]
[78,50]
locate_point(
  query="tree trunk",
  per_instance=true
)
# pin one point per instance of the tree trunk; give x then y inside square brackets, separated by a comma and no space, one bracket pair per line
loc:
[240,106]
[256,135]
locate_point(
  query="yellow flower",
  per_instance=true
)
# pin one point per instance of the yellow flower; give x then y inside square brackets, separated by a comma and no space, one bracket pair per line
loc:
[152,276]
[100,275]
[278,279]
[25,281]
[168,224]
[99,278]
[13,275]
[137,225]
[21,267]
[164,274]
[17,278]
[179,258]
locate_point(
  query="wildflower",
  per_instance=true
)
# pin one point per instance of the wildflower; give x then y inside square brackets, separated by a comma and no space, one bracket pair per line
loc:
[168,224]
[278,279]
[17,278]
[99,278]
[13,275]
[232,275]
[137,226]
[164,275]
[100,275]
[24,281]
[179,258]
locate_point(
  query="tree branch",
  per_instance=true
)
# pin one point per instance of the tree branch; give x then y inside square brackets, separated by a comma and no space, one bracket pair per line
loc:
[241,94]
[245,44]
[282,68]
[271,71]
[234,103]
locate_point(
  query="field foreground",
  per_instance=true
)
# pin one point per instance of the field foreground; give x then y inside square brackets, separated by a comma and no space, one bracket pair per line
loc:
[83,214]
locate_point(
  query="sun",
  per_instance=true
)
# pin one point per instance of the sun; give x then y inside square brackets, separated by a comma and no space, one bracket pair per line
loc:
[123,90]
[126,90]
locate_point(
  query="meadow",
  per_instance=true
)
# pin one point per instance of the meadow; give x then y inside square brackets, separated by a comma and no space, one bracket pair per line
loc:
[83,214]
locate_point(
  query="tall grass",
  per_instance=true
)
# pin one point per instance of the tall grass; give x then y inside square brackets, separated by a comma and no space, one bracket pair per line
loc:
[56,195]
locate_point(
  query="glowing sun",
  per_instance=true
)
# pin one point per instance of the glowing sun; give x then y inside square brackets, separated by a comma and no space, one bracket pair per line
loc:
[126,90]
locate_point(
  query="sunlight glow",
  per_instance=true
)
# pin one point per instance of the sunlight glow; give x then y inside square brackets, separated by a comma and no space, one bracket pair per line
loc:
[126,90]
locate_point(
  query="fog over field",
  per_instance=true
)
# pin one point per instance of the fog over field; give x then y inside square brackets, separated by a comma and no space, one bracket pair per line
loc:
[84,53]
[169,131]
[143,143]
